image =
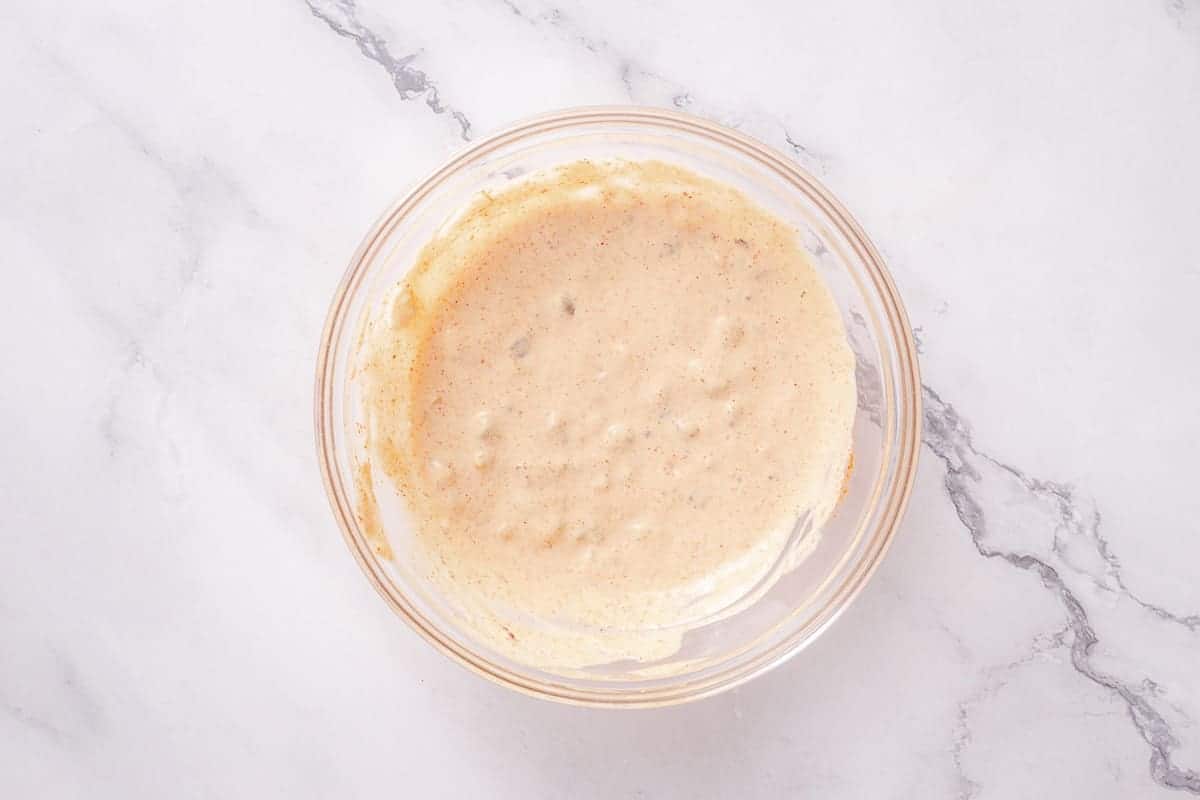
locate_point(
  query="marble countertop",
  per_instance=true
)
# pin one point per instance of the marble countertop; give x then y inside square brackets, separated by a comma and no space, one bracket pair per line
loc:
[181,185]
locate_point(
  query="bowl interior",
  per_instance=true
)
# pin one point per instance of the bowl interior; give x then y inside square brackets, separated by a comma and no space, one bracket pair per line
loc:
[804,599]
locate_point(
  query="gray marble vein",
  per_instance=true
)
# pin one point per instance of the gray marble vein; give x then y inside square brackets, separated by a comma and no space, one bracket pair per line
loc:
[948,436]
[203,193]
[642,84]
[819,162]
[342,18]
[995,679]
[630,73]
[1179,11]
[73,712]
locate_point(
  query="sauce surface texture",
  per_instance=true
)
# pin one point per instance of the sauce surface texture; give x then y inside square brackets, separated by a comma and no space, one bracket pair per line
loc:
[607,394]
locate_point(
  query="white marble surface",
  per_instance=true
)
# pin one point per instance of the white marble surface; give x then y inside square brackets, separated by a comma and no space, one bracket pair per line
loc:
[180,187]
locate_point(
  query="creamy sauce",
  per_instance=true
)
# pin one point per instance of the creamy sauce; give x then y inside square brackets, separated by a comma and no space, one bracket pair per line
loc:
[608,394]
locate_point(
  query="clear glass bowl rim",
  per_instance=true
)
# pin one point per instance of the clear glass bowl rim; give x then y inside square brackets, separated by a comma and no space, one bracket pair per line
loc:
[907,395]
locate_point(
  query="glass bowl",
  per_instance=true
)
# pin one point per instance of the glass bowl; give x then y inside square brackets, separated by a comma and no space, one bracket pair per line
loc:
[804,600]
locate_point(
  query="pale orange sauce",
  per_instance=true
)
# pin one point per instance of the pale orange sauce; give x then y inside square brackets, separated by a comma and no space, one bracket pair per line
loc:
[607,394]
